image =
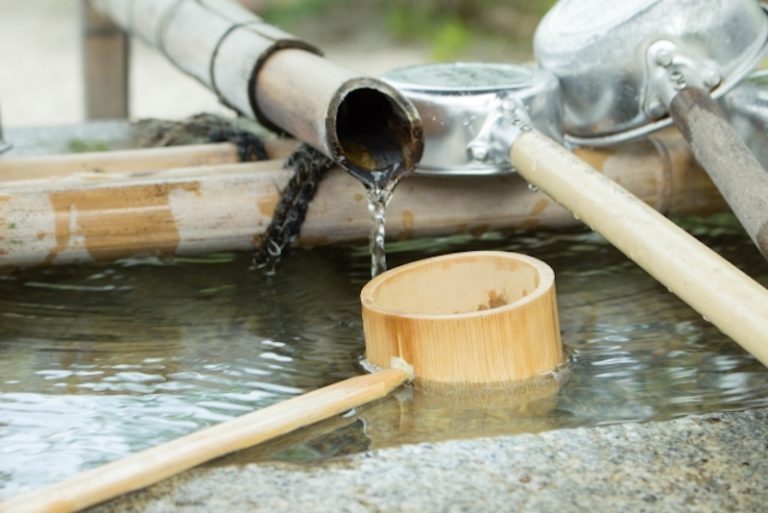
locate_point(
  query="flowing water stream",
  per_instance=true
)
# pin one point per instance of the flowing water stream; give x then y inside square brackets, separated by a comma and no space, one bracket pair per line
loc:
[379,195]
[97,362]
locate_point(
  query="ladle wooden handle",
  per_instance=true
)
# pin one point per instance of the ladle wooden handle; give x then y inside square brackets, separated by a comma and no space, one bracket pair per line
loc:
[724,295]
[741,179]
[165,460]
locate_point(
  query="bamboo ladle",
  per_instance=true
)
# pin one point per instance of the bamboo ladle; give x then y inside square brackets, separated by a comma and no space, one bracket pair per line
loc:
[478,318]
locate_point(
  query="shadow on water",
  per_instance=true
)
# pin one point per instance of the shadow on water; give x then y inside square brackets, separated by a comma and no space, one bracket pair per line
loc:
[99,362]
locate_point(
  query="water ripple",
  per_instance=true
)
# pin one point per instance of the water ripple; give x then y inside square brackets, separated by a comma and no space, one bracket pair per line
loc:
[98,362]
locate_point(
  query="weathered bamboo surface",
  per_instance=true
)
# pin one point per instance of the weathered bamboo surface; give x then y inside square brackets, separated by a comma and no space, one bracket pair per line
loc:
[219,43]
[104,216]
[264,73]
[51,167]
[90,165]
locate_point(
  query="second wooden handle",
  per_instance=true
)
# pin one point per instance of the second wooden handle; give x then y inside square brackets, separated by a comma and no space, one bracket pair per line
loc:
[165,460]
[737,174]
[724,295]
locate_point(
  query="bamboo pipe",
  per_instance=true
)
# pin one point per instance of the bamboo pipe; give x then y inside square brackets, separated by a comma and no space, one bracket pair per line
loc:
[264,73]
[524,284]
[104,216]
[711,285]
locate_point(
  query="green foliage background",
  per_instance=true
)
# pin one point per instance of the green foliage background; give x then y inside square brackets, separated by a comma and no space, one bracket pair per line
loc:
[451,29]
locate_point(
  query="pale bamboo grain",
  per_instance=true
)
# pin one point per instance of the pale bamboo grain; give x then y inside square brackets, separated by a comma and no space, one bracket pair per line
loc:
[442,316]
[203,209]
[165,460]
[711,285]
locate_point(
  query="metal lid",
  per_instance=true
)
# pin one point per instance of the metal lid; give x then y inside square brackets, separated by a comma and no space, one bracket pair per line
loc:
[454,100]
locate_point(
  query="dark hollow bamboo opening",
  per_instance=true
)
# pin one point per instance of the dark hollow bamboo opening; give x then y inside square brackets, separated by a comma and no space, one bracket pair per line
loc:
[378,133]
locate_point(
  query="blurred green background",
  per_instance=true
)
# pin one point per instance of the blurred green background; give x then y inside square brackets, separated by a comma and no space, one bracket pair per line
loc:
[446,29]
[40,46]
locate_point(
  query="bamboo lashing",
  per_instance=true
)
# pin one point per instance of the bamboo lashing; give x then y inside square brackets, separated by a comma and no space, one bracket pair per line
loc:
[711,285]
[269,75]
[103,216]
[525,343]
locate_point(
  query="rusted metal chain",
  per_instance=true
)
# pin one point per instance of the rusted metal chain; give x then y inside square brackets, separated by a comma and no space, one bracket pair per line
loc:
[309,166]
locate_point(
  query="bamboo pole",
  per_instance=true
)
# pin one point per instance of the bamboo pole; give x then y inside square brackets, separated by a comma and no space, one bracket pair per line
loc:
[711,285]
[123,161]
[105,51]
[103,216]
[74,165]
[264,73]
[165,460]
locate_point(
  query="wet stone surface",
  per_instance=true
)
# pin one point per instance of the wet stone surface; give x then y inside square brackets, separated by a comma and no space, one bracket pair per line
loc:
[707,463]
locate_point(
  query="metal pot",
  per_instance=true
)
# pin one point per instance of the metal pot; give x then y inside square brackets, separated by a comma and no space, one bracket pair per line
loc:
[617,61]
[629,68]
[454,100]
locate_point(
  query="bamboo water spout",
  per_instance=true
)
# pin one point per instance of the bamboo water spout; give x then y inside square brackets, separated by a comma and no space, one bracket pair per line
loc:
[283,82]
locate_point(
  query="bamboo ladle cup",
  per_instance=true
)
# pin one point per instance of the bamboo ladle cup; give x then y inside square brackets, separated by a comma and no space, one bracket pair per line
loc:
[481,318]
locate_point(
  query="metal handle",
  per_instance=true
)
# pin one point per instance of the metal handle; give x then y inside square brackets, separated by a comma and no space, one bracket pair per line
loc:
[723,154]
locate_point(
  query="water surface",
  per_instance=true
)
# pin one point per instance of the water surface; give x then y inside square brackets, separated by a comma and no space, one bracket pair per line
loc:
[97,362]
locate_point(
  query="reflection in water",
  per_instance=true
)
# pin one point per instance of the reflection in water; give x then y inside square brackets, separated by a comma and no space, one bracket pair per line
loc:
[98,362]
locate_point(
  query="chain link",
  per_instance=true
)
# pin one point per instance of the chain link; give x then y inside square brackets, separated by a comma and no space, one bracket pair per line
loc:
[309,167]
[249,145]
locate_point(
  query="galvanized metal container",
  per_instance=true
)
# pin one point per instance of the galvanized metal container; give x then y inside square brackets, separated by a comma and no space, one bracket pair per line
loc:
[600,50]
[455,99]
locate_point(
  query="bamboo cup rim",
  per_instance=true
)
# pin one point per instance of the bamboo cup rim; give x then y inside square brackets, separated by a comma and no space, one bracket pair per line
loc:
[479,317]
[543,275]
